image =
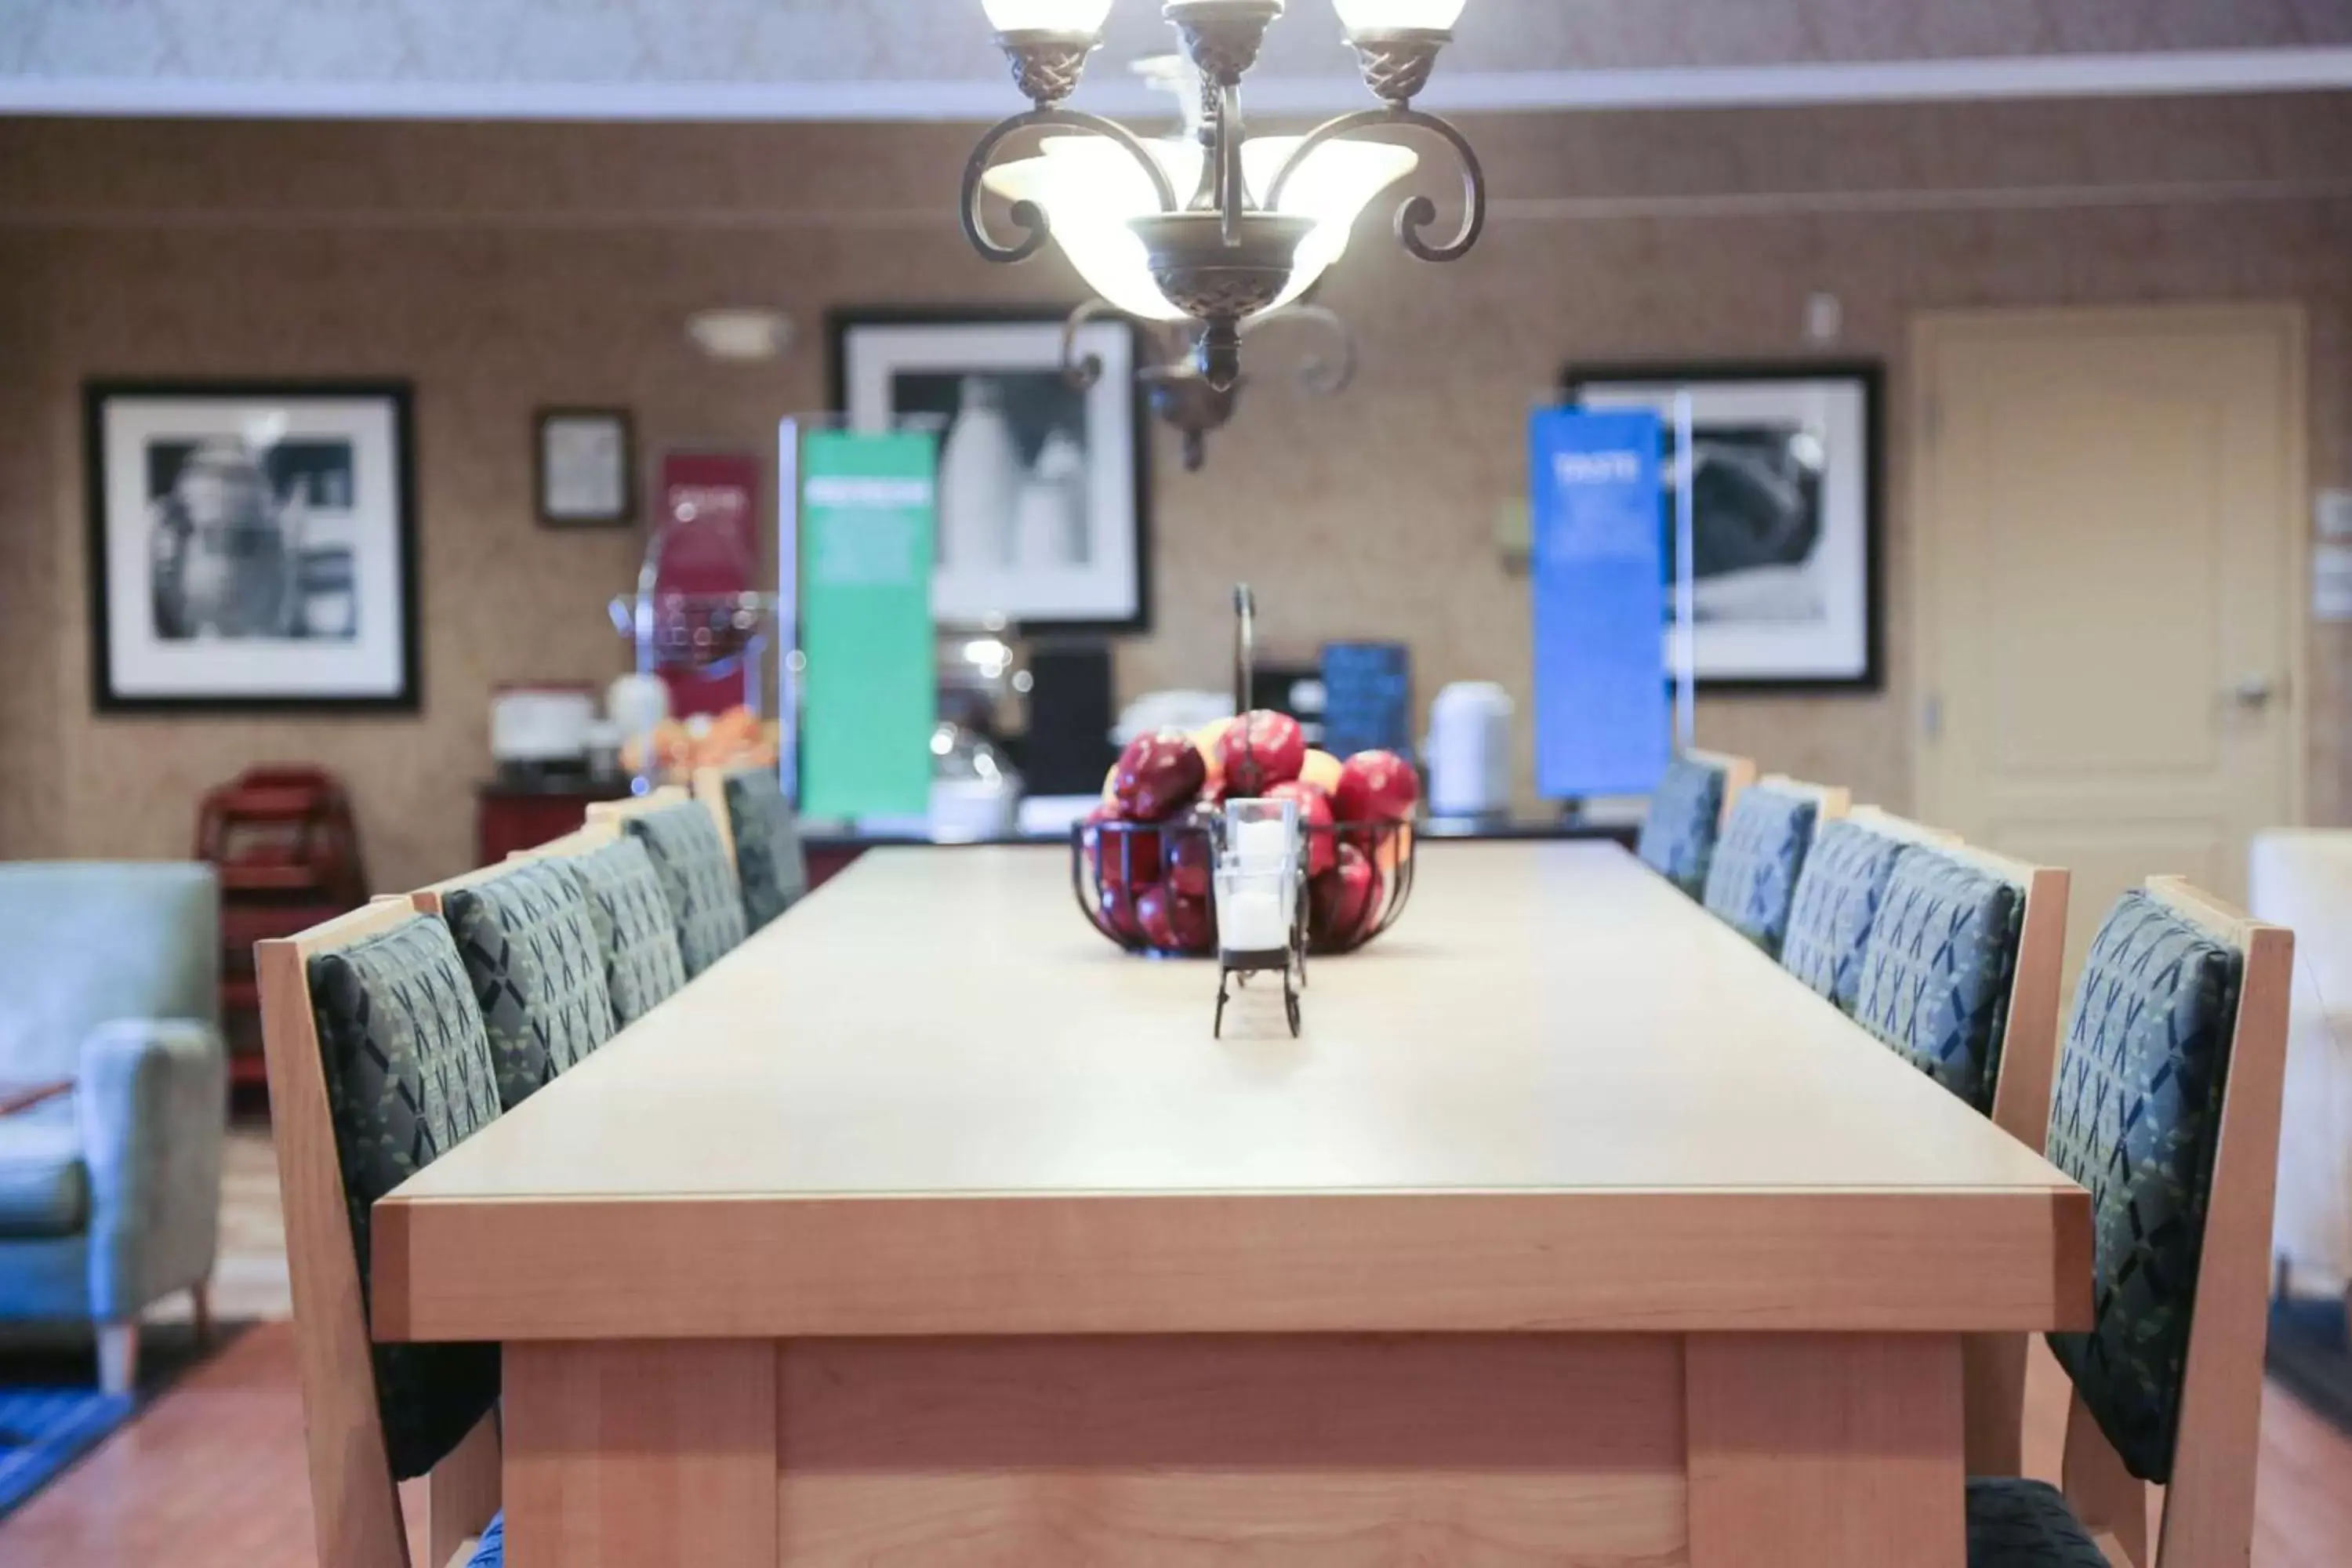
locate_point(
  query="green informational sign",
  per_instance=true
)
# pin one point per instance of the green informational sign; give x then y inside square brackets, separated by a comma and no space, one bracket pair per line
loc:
[870,692]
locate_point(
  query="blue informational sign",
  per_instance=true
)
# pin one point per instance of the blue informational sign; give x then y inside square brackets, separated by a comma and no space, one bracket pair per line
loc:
[1604,720]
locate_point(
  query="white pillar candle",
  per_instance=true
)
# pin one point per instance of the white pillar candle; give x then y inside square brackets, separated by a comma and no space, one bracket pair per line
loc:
[1251,921]
[1261,846]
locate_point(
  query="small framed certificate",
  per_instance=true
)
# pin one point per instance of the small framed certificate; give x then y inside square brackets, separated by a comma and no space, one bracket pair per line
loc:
[586,469]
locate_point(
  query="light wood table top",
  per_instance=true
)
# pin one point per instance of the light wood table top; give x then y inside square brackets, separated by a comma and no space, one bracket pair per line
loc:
[931,1101]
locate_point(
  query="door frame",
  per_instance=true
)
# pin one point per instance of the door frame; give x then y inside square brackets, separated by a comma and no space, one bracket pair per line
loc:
[1930,330]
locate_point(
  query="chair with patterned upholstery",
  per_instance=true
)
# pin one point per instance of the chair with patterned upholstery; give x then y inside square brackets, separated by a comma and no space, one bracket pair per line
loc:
[379,1064]
[2168,1109]
[1959,976]
[1837,894]
[1686,813]
[682,839]
[1752,877]
[763,835]
[634,929]
[530,938]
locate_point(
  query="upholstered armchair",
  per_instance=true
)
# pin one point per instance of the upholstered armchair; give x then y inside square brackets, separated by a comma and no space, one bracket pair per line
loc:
[110,1196]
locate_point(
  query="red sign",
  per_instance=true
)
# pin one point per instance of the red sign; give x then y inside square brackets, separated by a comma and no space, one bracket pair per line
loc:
[708,515]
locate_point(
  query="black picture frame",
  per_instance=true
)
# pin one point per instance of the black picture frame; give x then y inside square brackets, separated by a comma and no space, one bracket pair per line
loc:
[624,422]
[842,323]
[397,400]
[1869,378]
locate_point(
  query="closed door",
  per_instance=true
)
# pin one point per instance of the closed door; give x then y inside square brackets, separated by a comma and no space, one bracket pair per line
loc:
[2110,589]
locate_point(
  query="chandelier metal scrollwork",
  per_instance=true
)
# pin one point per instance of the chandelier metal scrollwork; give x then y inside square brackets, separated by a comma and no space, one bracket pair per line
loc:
[1182,397]
[1255,231]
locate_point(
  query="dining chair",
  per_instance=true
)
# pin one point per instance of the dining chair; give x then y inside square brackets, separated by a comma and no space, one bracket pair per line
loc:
[1687,814]
[2166,1108]
[763,835]
[1752,877]
[1960,974]
[379,1063]
[537,960]
[681,838]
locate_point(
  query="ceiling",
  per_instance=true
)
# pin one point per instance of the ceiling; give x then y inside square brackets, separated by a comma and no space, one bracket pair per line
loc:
[863,59]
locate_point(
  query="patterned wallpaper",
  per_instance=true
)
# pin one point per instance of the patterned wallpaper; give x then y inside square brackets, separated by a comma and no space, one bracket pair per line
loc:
[638,41]
[500,267]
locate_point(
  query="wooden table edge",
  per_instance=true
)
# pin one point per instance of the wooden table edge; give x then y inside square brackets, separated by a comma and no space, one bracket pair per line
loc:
[1991,1260]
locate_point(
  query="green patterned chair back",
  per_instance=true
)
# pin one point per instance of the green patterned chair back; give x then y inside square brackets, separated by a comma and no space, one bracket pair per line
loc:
[770,863]
[1685,815]
[1751,877]
[691,859]
[1836,902]
[409,1075]
[636,930]
[1937,968]
[531,948]
[2136,1117]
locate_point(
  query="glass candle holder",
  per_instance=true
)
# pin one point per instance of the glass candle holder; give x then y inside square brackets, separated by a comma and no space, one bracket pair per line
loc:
[1256,912]
[1262,834]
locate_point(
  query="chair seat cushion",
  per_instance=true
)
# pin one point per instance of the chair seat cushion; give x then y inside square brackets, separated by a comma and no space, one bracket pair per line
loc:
[634,929]
[1937,969]
[530,947]
[492,1550]
[1753,875]
[44,1185]
[1837,899]
[769,860]
[2026,1524]
[684,843]
[1686,812]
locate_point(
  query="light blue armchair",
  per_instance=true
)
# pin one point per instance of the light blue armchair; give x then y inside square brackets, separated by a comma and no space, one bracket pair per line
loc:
[109,1198]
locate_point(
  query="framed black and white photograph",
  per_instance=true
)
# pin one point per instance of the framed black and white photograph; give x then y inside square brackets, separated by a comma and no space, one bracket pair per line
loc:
[251,546]
[585,468]
[1043,495]
[1785,495]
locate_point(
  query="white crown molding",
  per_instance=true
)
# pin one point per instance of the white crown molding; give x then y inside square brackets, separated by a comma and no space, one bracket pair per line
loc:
[2183,72]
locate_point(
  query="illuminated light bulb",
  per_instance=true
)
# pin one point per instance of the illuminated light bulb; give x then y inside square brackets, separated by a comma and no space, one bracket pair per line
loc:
[1393,15]
[1085,17]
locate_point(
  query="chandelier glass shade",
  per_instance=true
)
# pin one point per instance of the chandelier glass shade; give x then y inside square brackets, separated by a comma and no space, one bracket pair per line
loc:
[1216,229]
[1092,191]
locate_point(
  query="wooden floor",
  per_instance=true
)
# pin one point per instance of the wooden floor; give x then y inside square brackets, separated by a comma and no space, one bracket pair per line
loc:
[212,1478]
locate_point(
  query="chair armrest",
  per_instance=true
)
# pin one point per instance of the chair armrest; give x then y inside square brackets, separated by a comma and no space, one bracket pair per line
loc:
[153,1101]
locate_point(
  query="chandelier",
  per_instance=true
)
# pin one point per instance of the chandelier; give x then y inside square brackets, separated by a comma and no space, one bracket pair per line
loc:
[1265,216]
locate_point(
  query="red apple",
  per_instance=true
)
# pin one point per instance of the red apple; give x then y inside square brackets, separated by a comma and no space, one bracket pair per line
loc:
[1341,900]
[1315,819]
[1376,786]
[1159,775]
[1260,750]
[1174,923]
[1191,853]
[1119,913]
[1121,854]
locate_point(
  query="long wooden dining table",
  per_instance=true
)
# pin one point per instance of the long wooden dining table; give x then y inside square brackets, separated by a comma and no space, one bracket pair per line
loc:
[926,1228]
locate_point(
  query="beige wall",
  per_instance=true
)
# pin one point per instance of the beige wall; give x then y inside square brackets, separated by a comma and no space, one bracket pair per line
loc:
[499,269]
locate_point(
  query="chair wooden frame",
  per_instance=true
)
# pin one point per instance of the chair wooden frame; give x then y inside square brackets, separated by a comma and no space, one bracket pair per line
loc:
[1880,820]
[1738,772]
[355,1501]
[2209,1509]
[1832,803]
[587,840]
[1994,1364]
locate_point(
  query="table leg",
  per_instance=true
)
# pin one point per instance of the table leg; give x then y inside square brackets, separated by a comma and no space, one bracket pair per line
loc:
[1829,1451]
[641,1455]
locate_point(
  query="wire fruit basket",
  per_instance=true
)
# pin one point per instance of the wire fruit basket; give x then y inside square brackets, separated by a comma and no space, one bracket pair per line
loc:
[1145,886]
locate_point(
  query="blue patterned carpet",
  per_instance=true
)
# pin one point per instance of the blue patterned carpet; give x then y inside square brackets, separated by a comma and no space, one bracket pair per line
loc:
[43,1430]
[2311,1355]
[51,1412]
